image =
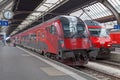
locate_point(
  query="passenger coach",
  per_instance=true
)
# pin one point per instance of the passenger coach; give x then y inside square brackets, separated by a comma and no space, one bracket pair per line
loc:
[115,36]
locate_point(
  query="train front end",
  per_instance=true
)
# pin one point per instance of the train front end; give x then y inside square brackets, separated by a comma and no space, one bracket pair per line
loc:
[75,42]
[101,41]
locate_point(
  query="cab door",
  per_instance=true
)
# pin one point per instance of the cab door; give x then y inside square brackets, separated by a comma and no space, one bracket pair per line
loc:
[52,38]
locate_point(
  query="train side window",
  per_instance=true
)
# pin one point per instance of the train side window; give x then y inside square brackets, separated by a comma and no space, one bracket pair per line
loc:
[52,29]
[39,34]
[29,36]
[33,36]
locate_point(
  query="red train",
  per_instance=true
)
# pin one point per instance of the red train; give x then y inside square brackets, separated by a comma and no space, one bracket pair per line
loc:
[63,37]
[100,39]
[115,36]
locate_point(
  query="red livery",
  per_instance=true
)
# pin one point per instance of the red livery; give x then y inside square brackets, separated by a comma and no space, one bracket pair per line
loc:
[115,36]
[100,39]
[64,37]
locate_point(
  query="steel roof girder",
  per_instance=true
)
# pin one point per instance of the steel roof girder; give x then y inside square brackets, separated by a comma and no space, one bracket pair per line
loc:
[112,9]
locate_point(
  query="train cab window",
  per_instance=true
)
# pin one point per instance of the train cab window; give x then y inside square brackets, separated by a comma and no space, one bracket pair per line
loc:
[98,32]
[52,29]
[104,32]
[73,27]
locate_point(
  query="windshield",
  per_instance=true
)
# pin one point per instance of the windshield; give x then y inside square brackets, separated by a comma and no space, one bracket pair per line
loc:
[73,27]
[98,32]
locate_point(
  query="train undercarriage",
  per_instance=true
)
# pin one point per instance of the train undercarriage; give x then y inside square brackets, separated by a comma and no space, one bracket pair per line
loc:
[102,53]
[72,58]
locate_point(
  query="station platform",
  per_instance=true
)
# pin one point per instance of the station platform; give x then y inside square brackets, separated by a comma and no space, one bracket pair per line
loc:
[115,55]
[19,64]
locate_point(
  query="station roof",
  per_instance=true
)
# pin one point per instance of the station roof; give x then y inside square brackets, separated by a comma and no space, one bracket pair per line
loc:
[29,13]
[48,8]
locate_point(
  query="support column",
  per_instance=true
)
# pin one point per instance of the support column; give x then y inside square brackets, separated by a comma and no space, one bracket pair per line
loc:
[112,9]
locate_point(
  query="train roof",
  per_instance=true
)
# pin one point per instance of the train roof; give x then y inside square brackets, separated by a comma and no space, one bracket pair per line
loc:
[53,19]
[92,23]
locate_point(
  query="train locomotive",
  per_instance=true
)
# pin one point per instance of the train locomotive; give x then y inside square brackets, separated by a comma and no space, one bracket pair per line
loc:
[100,39]
[63,37]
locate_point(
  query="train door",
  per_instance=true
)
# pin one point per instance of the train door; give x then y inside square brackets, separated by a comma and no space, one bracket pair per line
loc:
[53,38]
[38,40]
[42,45]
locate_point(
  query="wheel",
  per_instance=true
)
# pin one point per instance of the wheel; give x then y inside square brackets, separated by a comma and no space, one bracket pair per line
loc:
[84,56]
[47,54]
[59,56]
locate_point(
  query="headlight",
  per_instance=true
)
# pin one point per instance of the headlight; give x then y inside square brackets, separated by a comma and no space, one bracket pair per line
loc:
[109,45]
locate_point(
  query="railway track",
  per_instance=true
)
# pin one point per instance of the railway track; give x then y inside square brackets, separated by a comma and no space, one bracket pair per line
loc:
[101,74]
[111,63]
[104,70]
[97,74]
